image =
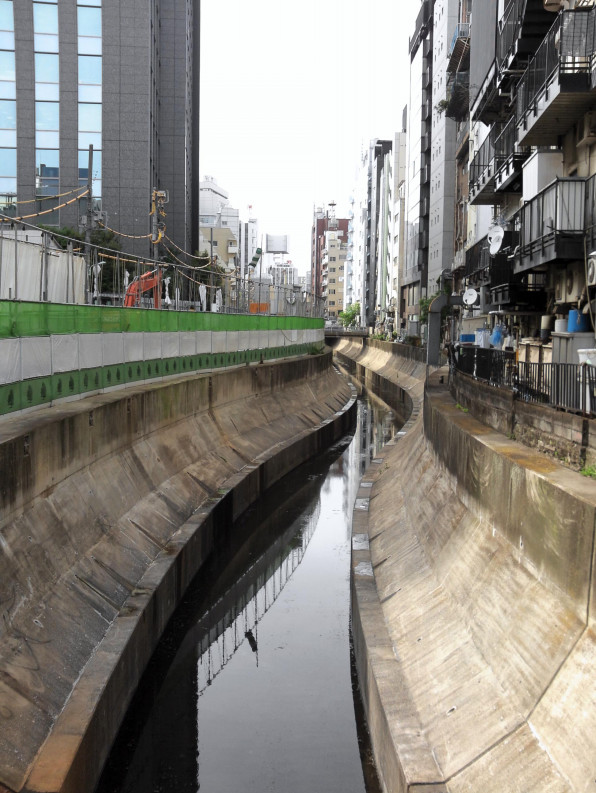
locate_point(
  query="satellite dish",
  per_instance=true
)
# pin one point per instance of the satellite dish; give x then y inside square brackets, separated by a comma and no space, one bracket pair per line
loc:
[495,239]
[470,297]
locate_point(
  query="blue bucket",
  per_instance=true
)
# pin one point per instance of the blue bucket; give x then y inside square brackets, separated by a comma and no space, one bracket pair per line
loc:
[577,323]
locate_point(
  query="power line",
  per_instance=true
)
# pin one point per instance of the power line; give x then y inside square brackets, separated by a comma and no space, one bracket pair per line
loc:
[50,197]
[6,218]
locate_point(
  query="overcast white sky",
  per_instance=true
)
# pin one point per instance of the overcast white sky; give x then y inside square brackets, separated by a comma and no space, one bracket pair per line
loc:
[290,93]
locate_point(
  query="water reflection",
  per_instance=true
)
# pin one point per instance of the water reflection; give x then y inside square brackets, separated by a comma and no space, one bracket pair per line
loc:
[250,689]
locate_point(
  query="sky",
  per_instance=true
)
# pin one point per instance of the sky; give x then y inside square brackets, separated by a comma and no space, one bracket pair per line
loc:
[291,94]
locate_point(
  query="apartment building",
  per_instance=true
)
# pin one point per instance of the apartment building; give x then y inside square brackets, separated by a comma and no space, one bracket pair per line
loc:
[533,105]
[324,221]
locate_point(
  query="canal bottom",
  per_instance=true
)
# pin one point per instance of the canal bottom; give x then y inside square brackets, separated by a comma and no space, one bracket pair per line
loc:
[253,686]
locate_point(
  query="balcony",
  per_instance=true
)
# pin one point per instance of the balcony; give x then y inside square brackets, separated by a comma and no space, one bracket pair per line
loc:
[459,52]
[458,96]
[509,159]
[551,225]
[522,28]
[482,170]
[557,88]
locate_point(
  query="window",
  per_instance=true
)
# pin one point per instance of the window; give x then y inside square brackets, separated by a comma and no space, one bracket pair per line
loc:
[84,164]
[7,66]
[6,15]
[89,117]
[8,114]
[90,69]
[45,18]
[8,162]
[47,115]
[89,21]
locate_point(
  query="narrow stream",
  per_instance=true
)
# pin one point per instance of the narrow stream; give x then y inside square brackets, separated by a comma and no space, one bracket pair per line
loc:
[252,688]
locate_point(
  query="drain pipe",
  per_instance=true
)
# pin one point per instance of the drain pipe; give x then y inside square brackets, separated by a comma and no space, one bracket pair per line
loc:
[433,344]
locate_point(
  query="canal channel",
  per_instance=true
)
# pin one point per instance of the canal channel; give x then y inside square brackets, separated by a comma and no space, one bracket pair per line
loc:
[253,688]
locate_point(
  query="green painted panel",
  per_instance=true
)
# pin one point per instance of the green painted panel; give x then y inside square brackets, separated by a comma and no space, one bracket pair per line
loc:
[42,319]
[10,398]
[36,391]
[90,379]
[31,319]
[61,319]
[89,319]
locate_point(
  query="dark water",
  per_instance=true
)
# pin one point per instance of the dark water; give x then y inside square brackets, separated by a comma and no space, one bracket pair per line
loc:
[252,688]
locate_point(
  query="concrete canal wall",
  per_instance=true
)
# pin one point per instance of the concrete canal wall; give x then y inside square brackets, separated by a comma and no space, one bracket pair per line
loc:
[473,605]
[108,507]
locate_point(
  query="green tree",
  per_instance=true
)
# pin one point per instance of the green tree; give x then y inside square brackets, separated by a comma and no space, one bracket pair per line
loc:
[351,314]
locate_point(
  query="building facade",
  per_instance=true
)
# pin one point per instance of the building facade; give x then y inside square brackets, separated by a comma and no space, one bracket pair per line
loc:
[323,221]
[110,74]
[533,108]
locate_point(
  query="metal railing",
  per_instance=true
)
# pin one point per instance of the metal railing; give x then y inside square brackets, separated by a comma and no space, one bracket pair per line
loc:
[509,29]
[506,143]
[558,209]
[565,386]
[568,47]
[483,166]
[462,31]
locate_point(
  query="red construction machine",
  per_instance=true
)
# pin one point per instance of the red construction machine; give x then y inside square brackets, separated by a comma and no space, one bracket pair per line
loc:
[150,281]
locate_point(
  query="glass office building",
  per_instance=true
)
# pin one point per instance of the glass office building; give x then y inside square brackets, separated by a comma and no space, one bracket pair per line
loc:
[101,73]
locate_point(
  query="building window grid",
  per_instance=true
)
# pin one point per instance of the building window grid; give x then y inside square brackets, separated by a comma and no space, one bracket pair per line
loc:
[8,111]
[90,107]
[47,104]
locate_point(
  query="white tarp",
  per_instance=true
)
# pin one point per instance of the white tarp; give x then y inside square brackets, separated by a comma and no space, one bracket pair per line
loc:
[10,360]
[133,347]
[65,353]
[113,348]
[41,274]
[36,357]
[90,350]
[188,343]
[170,344]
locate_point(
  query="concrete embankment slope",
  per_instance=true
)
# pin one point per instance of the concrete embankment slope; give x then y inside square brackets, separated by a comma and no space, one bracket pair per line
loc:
[109,506]
[473,609]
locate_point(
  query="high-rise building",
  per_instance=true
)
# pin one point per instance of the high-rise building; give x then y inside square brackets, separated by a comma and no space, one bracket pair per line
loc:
[431,153]
[117,75]
[323,220]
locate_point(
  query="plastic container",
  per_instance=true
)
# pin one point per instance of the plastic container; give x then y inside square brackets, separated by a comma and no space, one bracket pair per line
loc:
[577,323]
[587,356]
[560,326]
[467,337]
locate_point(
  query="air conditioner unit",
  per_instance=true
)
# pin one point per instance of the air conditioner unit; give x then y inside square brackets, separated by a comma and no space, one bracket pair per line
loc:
[574,286]
[586,130]
[592,271]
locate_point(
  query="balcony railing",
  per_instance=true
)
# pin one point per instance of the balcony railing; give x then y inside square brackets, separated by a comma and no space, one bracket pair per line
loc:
[509,29]
[551,225]
[459,49]
[483,168]
[564,386]
[563,62]
[509,156]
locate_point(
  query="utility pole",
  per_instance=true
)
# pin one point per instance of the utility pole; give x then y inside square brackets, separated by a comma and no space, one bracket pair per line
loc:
[89,222]
[89,217]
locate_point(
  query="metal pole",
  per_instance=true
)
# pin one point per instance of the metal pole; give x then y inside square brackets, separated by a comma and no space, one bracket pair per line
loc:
[211,274]
[89,206]
[68,257]
[16,245]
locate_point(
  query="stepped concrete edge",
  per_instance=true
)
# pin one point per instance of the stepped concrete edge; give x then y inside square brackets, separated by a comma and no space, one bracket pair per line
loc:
[472,604]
